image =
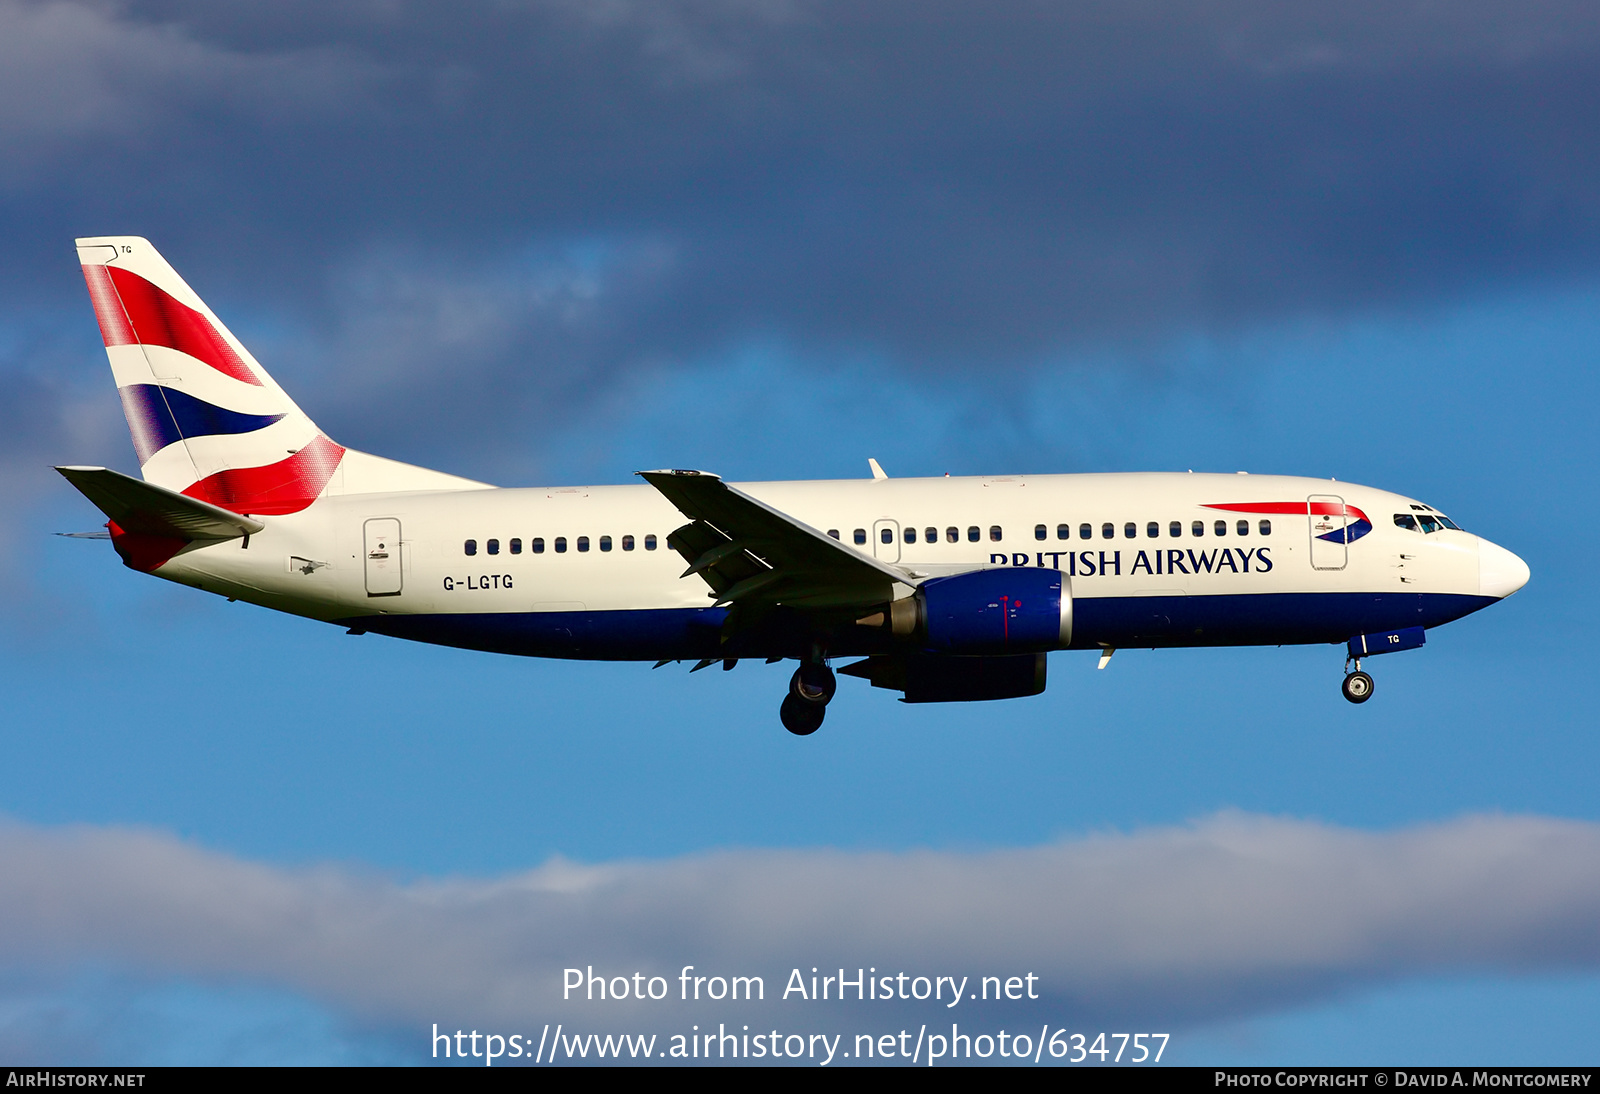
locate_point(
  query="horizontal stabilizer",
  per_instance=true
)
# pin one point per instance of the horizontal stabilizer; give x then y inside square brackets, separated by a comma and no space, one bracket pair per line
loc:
[142,508]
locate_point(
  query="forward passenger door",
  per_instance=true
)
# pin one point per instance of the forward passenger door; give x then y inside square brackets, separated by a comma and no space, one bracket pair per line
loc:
[1328,518]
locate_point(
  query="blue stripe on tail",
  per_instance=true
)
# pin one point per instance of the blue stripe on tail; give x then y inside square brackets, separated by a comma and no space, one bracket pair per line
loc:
[159,416]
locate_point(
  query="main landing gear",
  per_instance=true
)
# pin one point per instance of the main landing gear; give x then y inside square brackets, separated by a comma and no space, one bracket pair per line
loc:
[1357,686]
[810,690]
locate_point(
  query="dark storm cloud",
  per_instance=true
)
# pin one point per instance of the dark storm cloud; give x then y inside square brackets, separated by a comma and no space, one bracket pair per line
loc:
[941,183]
[1234,915]
[46,414]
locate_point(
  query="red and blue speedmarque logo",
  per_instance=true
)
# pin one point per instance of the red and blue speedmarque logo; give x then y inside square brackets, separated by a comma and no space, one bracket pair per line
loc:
[1333,521]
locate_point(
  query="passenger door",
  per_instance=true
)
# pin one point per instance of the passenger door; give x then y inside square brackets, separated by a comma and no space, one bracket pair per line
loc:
[383,557]
[1329,522]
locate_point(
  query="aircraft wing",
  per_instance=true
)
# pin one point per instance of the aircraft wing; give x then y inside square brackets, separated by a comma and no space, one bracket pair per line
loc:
[752,554]
[147,509]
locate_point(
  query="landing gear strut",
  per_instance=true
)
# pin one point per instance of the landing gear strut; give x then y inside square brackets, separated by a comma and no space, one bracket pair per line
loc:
[810,690]
[1357,686]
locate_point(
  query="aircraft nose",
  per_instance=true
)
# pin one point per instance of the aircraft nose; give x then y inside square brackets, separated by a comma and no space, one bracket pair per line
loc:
[1500,573]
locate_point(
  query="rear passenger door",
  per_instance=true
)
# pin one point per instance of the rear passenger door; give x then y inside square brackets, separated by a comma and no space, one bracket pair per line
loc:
[382,556]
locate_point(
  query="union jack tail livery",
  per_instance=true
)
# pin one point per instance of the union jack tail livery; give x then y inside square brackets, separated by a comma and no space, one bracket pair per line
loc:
[207,420]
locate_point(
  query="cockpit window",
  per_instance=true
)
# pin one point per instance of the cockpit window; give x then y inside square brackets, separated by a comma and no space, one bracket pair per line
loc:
[1447,522]
[1429,522]
[1406,521]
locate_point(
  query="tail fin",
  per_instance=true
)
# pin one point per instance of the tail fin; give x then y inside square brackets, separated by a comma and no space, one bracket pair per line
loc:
[207,420]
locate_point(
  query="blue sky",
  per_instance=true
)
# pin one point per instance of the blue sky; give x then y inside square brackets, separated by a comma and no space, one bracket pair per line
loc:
[554,245]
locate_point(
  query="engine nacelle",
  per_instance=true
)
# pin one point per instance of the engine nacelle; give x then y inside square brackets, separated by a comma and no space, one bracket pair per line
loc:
[936,679]
[1001,611]
[1021,610]
[945,678]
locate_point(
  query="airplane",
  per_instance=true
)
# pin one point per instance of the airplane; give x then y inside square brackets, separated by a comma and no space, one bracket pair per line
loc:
[948,589]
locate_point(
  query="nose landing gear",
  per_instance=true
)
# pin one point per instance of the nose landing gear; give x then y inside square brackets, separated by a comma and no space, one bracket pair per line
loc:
[810,690]
[1357,686]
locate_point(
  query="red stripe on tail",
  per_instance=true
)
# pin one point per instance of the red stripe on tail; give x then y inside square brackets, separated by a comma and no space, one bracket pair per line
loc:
[287,486]
[114,325]
[132,311]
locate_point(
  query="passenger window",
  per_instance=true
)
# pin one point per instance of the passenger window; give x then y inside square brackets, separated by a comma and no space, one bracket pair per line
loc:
[1175,529]
[649,543]
[561,545]
[627,543]
[1265,527]
[1085,531]
[1406,521]
[1040,532]
[860,536]
[1108,531]
[887,535]
[994,532]
[1429,522]
[833,533]
[1242,527]
[1198,528]
[930,535]
[583,543]
[1063,531]
[470,547]
[1220,528]
[1153,530]
[605,543]
[911,534]
[953,535]
[973,535]
[538,545]
[1130,530]
[516,546]
[492,547]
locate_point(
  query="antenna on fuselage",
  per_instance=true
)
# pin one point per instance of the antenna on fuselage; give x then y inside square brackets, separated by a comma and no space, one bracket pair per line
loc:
[877,472]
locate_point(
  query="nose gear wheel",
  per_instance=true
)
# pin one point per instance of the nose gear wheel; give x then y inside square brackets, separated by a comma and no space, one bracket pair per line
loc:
[1357,687]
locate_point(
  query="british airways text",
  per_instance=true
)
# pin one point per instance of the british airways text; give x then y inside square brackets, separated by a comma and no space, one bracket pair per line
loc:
[1171,561]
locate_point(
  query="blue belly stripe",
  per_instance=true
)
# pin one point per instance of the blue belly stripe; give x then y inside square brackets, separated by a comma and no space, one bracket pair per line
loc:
[1252,619]
[1259,619]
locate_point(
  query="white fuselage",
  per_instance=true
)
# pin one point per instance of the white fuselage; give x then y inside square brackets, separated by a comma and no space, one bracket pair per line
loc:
[1189,545]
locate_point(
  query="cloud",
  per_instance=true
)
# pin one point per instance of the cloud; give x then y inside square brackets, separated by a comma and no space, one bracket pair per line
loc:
[424,351]
[83,77]
[48,416]
[412,198]
[1231,915]
[930,180]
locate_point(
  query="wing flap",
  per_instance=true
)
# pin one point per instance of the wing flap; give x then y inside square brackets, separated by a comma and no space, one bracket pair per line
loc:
[751,554]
